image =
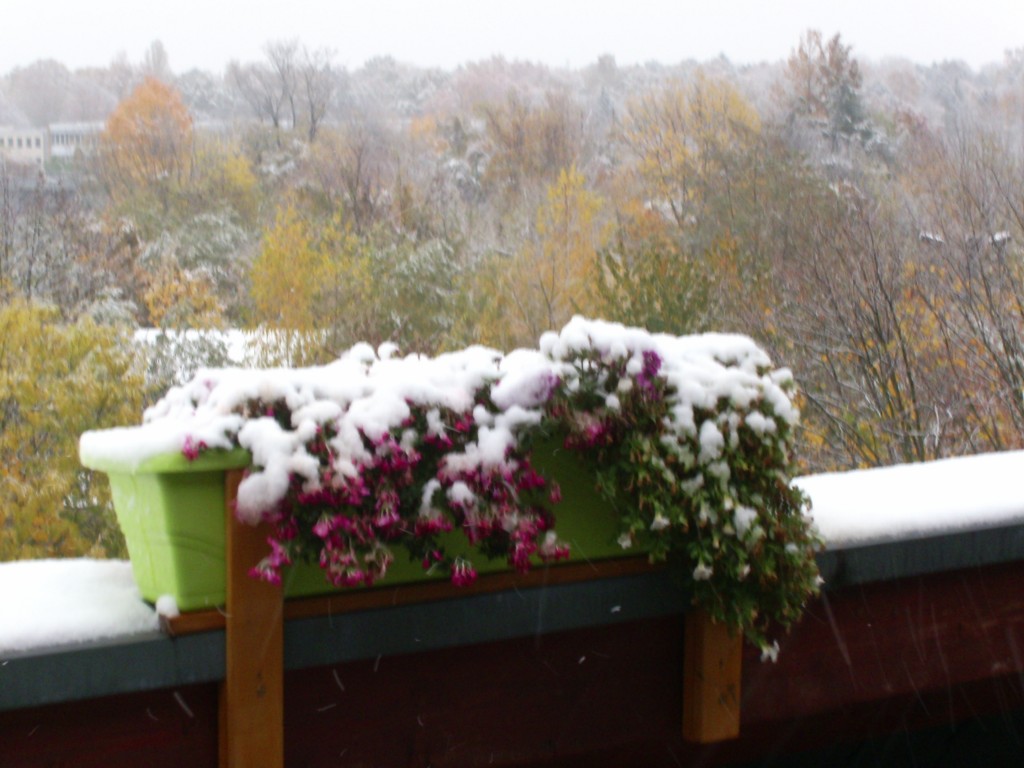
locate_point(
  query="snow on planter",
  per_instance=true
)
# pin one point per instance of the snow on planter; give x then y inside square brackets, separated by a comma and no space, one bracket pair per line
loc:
[688,437]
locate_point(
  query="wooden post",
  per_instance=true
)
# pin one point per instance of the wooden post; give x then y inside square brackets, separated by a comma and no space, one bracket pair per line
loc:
[712,663]
[252,696]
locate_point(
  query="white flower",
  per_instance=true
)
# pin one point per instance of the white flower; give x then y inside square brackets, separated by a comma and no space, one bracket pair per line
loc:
[743,517]
[770,652]
[702,572]
[625,541]
[660,522]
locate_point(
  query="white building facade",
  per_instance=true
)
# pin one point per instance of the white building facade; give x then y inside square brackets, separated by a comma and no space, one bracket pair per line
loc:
[36,146]
[28,146]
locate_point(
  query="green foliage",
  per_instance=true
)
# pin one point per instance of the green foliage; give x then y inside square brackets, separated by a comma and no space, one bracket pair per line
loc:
[172,357]
[56,381]
[414,289]
[657,287]
[318,288]
[709,490]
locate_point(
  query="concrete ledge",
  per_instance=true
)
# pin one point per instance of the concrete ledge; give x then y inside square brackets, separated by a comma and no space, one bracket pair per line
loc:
[155,661]
[892,560]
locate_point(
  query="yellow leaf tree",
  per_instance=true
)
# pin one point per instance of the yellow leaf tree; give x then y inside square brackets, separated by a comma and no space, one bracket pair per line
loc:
[555,274]
[688,142]
[56,381]
[179,298]
[289,281]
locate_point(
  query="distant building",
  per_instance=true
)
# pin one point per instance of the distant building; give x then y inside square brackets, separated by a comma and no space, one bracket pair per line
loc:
[68,138]
[36,146]
[28,146]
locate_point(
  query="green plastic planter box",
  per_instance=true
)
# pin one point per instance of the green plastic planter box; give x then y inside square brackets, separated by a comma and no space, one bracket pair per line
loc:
[171,511]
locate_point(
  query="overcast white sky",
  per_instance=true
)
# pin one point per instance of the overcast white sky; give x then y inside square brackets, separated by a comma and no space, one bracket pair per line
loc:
[209,33]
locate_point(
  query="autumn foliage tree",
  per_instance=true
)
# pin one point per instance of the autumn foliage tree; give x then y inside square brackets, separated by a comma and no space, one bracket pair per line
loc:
[56,381]
[146,147]
[862,341]
[556,273]
[531,143]
[288,281]
[650,280]
[688,143]
[178,298]
[970,228]
[825,81]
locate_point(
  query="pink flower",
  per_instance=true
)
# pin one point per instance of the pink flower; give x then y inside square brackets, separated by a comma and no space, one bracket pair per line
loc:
[463,573]
[431,559]
[555,496]
[264,573]
[553,549]
[191,448]
[430,525]
[520,557]
[323,526]
[645,379]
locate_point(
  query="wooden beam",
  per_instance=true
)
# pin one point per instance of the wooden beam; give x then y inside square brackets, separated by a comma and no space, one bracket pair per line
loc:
[360,599]
[252,697]
[712,664]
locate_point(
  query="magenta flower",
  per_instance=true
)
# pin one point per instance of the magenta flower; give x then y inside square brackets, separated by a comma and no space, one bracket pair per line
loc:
[555,494]
[651,367]
[463,573]
[191,448]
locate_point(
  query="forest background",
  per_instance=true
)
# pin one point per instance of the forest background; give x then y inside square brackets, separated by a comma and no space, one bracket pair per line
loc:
[863,221]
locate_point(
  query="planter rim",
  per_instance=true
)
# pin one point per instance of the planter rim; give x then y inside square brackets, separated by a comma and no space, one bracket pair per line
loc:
[211,460]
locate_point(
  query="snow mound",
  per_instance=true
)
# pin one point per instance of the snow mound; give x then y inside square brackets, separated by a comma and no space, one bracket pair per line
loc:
[911,501]
[61,602]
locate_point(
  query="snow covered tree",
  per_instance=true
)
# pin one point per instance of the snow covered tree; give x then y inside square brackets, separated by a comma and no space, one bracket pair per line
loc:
[350,171]
[825,81]
[260,89]
[531,144]
[293,87]
[316,88]
[415,297]
[969,230]
[52,247]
